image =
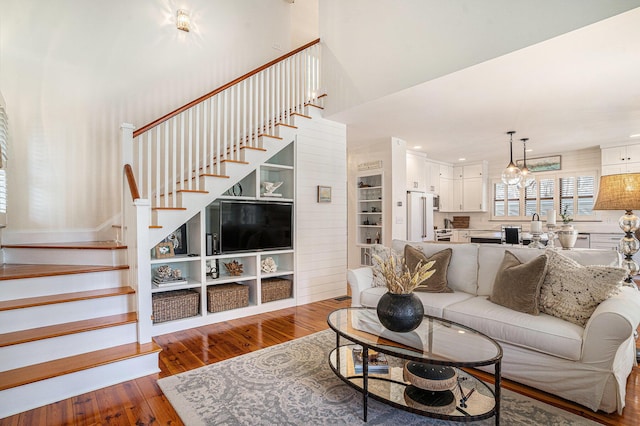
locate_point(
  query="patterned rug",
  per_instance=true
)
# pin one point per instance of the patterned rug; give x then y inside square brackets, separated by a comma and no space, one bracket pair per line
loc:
[292,384]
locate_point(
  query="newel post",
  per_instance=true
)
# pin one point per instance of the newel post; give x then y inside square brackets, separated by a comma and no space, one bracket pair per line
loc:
[126,141]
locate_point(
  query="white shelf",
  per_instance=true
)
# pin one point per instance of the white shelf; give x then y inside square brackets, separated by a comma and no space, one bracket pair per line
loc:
[189,284]
[279,168]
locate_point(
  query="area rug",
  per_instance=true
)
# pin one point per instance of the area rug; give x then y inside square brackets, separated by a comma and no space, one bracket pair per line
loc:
[292,384]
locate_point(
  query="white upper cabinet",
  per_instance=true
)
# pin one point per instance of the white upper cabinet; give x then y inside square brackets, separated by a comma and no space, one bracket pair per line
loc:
[621,159]
[416,173]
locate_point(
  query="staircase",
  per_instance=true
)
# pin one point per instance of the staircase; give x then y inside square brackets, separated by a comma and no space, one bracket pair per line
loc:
[66,329]
[76,317]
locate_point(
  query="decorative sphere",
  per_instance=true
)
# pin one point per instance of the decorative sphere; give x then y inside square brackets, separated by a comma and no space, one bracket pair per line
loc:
[511,175]
[629,222]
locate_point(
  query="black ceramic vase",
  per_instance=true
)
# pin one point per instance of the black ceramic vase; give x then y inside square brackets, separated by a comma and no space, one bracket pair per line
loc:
[400,312]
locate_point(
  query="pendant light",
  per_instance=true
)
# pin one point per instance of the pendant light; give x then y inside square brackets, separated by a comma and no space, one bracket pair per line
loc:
[527,180]
[512,175]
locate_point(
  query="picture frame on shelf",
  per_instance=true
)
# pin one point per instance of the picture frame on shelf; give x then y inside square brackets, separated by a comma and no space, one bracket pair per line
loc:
[164,250]
[179,240]
[324,194]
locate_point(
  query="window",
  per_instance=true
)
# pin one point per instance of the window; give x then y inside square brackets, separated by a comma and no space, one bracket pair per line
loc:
[576,192]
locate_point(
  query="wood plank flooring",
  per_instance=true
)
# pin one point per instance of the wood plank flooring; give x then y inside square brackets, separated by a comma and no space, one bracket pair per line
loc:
[141,402]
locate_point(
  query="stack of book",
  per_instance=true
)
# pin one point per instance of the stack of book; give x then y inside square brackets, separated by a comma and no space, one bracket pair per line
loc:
[377,364]
[164,282]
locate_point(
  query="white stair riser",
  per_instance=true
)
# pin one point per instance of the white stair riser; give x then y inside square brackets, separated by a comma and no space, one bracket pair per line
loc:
[64,256]
[16,356]
[27,397]
[45,286]
[41,316]
[312,111]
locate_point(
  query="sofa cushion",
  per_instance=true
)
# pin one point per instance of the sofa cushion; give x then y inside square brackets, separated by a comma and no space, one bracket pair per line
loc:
[517,284]
[434,303]
[545,333]
[572,291]
[462,274]
[490,256]
[436,283]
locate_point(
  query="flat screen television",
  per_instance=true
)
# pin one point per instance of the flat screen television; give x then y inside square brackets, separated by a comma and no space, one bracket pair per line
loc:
[255,226]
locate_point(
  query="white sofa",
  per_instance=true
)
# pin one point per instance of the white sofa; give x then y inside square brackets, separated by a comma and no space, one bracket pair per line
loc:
[587,365]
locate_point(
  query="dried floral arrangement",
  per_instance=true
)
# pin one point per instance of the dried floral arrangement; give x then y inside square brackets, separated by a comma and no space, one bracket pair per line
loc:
[398,278]
[234,268]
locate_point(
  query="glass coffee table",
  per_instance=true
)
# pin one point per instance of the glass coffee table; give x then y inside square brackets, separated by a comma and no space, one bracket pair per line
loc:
[406,376]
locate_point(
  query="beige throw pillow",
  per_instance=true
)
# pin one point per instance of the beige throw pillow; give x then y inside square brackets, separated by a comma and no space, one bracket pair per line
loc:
[517,285]
[436,283]
[572,291]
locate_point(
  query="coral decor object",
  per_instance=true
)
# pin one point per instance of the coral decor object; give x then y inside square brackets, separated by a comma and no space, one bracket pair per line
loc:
[234,268]
[165,272]
[268,265]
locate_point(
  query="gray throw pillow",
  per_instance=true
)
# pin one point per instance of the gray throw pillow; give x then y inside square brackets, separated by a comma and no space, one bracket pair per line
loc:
[436,283]
[517,285]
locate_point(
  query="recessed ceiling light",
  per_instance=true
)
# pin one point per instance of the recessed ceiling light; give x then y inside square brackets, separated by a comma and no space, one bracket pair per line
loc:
[636,135]
[417,147]
[529,150]
[462,159]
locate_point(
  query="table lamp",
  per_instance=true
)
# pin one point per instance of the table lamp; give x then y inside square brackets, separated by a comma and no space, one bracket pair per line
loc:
[622,192]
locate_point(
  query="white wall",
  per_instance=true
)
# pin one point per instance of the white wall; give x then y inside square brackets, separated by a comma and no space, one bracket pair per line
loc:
[377,47]
[72,71]
[321,239]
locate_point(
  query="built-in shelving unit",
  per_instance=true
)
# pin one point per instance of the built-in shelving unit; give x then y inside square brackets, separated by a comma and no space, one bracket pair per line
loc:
[369,215]
[194,261]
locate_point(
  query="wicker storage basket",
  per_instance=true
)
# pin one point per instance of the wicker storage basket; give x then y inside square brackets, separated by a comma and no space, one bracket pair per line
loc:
[223,297]
[276,289]
[173,305]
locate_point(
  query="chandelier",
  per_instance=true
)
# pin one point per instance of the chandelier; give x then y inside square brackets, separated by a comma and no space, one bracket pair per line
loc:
[527,180]
[512,175]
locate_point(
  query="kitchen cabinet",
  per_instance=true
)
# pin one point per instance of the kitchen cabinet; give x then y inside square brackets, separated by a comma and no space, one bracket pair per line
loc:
[621,159]
[461,236]
[466,190]
[422,174]
[416,173]
[432,176]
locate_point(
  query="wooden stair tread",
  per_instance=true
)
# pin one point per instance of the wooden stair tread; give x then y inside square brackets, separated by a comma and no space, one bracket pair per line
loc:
[14,271]
[47,370]
[84,245]
[63,298]
[41,333]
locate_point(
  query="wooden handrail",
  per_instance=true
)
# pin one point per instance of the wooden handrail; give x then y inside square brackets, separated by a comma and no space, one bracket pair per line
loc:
[221,88]
[131,179]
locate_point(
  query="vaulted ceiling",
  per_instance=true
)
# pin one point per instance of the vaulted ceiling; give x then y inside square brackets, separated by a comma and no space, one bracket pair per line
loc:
[575,90]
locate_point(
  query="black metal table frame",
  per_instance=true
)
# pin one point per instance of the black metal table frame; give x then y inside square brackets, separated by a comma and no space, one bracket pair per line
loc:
[496,362]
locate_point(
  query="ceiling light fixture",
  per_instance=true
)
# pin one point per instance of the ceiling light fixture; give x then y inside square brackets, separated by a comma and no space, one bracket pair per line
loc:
[635,135]
[527,180]
[512,175]
[182,20]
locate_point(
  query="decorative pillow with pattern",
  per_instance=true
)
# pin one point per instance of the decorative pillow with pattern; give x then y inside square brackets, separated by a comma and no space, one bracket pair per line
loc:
[572,291]
[436,283]
[517,285]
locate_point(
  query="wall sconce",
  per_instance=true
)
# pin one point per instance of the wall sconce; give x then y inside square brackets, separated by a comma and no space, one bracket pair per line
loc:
[182,20]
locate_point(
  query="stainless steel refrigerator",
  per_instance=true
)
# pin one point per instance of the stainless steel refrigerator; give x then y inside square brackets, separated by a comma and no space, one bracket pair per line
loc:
[419,216]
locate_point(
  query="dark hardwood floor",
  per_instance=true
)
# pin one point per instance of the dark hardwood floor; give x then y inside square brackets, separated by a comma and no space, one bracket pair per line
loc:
[140,401]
